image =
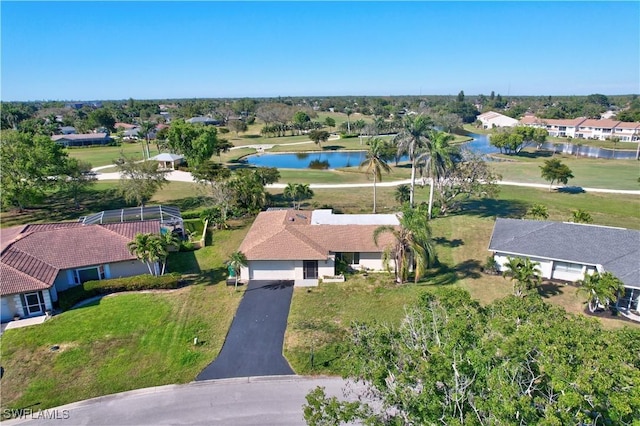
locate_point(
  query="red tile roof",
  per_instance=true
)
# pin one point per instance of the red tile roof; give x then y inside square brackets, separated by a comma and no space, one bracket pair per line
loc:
[275,236]
[600,124]
[35,254]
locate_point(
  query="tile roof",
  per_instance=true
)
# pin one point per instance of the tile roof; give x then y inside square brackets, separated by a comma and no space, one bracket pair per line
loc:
[532,119]
[627,125]
[616,249]
[604,124]
[36,253]
[289,235]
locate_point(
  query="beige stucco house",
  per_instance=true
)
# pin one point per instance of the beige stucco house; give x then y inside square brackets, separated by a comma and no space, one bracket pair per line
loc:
[39,260]
[302,246]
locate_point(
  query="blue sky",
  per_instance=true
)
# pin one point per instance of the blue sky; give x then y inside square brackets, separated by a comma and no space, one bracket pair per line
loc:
[151,50]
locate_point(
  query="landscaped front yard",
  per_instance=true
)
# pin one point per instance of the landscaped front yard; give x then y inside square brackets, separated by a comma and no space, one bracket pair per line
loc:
[126,341]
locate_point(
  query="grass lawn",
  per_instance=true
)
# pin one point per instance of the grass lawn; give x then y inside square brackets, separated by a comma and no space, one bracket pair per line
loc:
[122,342]
[105,155]
[588,172]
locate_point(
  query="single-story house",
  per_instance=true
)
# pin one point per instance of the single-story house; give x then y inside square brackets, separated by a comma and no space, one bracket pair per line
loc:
[303,245]
[493,119]
[39,260]
[168,161]
[82,139]
[566,251]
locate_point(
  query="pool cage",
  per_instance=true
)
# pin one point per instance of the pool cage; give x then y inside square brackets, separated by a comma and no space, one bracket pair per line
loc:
[169,217]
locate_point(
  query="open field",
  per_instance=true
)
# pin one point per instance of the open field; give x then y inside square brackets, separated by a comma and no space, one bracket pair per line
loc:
[588,172]
[105,155]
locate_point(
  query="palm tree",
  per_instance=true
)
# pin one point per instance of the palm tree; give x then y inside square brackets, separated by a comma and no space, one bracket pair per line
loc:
[402,193]
[524,273]
[146,129]
[438,159]
[236,261]
[412,140]
[581,216]
[297,192]
[347,111]
[538,212]
[169,241]
[601,289]
[412,249]
[319,136]
[375,163]
[149,249]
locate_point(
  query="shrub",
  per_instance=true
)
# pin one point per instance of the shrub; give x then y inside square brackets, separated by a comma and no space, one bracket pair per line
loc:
[74,295]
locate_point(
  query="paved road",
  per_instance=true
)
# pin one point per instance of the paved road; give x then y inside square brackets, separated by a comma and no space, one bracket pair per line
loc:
[253,346]
[246,401]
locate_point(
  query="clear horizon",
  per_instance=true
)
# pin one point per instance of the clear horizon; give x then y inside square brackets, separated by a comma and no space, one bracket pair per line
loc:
[82,51]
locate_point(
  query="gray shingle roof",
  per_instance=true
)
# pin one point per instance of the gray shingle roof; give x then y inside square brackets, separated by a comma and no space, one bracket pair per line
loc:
[616,249]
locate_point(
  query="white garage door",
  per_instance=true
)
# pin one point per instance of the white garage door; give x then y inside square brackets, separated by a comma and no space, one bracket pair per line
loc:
[271,270]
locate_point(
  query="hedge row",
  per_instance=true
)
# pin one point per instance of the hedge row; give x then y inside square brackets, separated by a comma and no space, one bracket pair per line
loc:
[68,298]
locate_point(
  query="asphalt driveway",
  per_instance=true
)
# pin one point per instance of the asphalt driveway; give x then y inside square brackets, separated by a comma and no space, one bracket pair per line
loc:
[254,343]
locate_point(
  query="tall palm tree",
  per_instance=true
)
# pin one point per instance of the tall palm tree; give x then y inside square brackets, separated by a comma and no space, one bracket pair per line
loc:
[412,249]
[601,289]
[412,139]
[375,163]
[438,158]
[524,273]
[146,129]
[236,261]
[347,111]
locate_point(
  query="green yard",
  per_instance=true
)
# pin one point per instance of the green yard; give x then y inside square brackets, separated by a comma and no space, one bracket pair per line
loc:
[126,341]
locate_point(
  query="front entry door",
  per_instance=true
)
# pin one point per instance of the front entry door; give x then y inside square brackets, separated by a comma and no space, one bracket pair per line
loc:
[310,269]
[34,303]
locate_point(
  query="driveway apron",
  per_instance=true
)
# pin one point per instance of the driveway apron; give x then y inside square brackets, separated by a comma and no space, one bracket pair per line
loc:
[254,343]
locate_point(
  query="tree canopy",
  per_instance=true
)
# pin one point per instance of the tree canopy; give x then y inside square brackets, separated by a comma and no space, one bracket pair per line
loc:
[196,142]
[30,166]
[139,181]
[554,170]
[515,361]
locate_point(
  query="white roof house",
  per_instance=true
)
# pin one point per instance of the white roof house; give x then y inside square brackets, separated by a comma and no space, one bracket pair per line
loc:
[493,119]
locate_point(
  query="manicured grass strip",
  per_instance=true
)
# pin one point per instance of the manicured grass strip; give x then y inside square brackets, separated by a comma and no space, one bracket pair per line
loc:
[588,172]
[105,155]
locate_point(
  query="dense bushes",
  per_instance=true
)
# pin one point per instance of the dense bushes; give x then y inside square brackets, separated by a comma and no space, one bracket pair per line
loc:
[70,297]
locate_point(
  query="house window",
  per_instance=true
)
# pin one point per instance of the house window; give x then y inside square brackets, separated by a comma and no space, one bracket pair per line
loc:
[349,258]
[568,267]
[95,273]
[33,303]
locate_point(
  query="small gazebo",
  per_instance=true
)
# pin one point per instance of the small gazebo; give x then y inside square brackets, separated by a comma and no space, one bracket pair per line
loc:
[168,161]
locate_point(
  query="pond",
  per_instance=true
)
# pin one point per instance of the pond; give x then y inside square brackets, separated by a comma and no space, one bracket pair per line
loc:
[479,144]
[310,160]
